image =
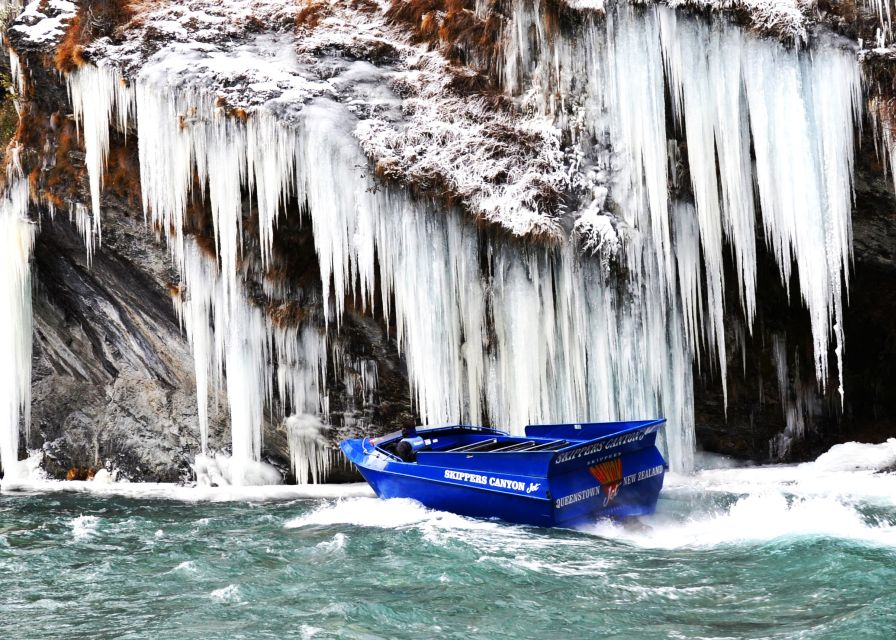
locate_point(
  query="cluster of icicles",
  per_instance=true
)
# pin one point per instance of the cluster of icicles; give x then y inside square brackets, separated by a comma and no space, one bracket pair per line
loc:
[16,242]
[799,109]
[539,334]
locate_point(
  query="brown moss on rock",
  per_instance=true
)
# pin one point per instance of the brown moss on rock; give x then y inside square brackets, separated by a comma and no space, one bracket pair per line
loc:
[97,19]
[80,473]
[453,28]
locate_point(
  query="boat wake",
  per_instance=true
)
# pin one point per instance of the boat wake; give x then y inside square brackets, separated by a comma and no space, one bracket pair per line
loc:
[396,513]
[848,493]
[759,518]
[843,495]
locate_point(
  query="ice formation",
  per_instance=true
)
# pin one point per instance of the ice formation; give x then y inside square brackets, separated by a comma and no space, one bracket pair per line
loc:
[728,88]
[228,334]
[505,332]
[563,334]
[221,470]
[309,449]
[17,237]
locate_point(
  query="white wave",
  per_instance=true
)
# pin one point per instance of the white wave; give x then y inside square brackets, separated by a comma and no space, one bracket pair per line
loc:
[308,631]
[848,472]
[230,593]
[337,543]
[437,528]
[104,476]
[221,470]
[387,514]
[590,567]
[170,491]
[365,512]
[187,566]
[853,456]
[84,527]
[755,518]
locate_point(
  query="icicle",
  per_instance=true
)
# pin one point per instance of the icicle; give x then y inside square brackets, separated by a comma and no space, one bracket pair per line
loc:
[311,453]
[97,95]
[301,368]
[17,236]
[80,217]
[231,344]
[196,312]
[17,72]
[726,86]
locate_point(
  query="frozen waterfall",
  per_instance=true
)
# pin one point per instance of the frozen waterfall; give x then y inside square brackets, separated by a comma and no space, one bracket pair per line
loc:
[492,329]
[16,240]
[605,82]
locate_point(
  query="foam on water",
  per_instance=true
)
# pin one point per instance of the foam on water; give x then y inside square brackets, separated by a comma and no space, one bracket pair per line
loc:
[368,512]
[230,593]
[852,472]
[333,545]
[188,566]
[170,491]
[827,498]
[755,518]
[84,527]
[308,631]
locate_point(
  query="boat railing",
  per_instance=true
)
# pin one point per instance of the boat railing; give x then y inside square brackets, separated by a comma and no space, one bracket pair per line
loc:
[550,446]
[526,446]
[473,446]
[514,446]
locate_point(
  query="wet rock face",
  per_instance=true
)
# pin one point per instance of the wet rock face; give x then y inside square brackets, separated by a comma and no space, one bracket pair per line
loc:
[113,375]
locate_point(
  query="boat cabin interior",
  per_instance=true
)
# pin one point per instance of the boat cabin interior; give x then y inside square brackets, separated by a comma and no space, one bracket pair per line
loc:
[464,440]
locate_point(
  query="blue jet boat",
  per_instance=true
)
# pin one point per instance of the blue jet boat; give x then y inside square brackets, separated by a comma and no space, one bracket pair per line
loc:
[555,475]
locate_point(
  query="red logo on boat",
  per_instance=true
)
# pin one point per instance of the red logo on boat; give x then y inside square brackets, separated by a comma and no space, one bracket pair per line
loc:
[609,475]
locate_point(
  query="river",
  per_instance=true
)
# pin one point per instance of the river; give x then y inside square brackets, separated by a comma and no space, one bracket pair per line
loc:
[771,552]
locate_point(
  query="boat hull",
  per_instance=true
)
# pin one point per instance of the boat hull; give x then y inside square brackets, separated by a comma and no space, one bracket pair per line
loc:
[616,475]
[467,501]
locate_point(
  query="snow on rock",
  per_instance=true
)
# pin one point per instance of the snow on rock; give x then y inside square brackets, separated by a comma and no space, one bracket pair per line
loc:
[43,22]
[504,167]
[785,19]
[586,5]
[597,229]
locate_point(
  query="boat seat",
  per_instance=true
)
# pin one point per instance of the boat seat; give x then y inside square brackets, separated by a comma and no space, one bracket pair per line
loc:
[514,446]
[550,446]
[473,446]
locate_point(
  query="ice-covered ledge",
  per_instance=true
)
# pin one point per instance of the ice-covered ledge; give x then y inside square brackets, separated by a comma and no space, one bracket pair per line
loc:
[504,167]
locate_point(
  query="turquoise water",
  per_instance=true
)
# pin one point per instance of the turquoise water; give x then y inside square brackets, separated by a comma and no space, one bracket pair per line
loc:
[712,564]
